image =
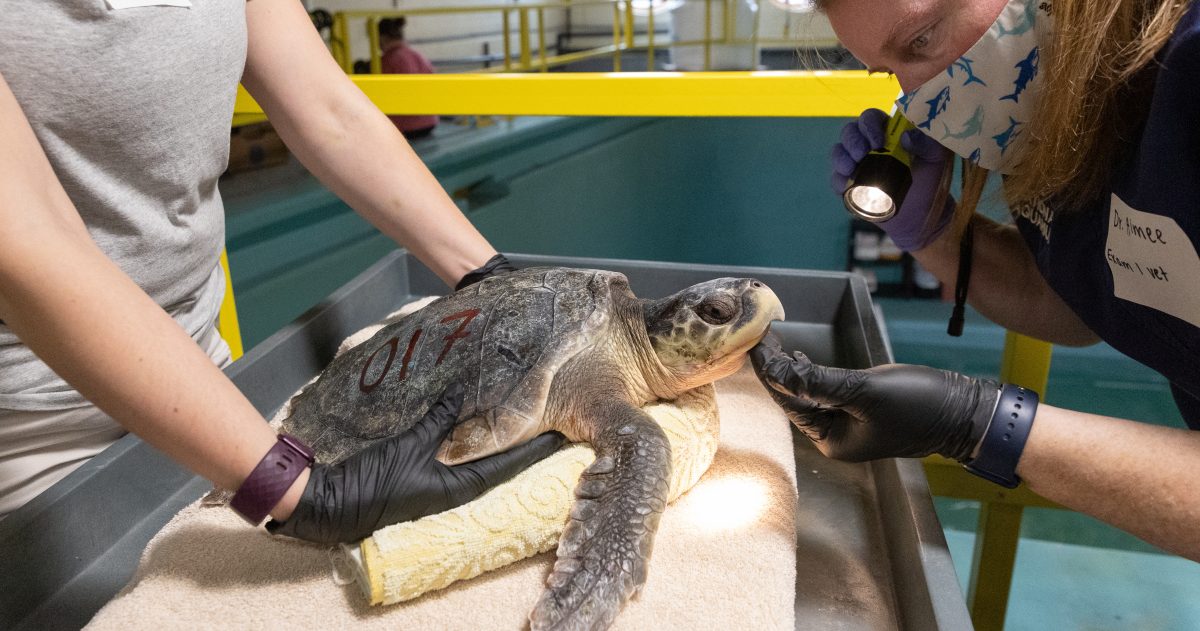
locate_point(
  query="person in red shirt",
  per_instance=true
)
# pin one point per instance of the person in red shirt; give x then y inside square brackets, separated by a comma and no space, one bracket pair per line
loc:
[400,58]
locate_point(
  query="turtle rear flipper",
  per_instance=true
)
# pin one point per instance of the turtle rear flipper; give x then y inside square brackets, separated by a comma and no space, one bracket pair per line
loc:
[606,545]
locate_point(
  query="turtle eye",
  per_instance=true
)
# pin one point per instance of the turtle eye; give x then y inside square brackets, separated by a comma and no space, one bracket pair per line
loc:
[716,310]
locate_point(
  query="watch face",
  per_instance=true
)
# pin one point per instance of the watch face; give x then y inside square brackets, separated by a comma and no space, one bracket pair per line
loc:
[299,447]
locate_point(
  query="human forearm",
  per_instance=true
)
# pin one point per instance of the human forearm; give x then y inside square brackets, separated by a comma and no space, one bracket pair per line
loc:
[362,158]
[98,330]
[1005,284]
[1135,476]
[1138,477]
[343,139]
[82,316]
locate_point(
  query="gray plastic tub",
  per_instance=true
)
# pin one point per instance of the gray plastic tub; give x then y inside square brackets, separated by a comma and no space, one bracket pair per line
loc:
[870,551]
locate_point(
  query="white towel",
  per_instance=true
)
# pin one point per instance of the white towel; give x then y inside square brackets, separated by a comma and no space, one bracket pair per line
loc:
[724,558]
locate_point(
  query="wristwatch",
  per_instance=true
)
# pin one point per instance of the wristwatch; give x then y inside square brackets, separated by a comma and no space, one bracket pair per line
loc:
[1005,437]
[271,478]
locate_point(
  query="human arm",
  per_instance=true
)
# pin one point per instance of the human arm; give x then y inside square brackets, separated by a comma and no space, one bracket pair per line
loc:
[97,329]
[403,478]
[1005,285]
[1137,477]
[343,139]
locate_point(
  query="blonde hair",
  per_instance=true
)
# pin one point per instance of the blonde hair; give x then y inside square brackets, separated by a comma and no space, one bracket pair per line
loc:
[1098,61]
[1097,64]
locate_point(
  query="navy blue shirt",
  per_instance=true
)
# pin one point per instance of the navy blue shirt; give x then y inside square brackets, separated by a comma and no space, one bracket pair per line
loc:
[1118,262]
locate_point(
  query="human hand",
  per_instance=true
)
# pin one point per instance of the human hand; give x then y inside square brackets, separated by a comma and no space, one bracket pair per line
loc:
[398,479]
[907,227]
[891,411]
[498,264]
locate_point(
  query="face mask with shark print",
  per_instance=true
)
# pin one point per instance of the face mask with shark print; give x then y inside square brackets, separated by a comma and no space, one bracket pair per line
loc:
[978,107]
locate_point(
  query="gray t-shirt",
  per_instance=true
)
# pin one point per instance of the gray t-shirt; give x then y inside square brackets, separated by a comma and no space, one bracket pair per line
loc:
[132,106]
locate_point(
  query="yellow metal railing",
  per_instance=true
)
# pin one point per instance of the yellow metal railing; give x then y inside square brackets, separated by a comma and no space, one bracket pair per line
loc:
[771,93]
[623,21]
[526,15]
[742,94]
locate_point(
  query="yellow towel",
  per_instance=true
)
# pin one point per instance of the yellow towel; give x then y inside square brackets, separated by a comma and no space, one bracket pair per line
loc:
[522,517]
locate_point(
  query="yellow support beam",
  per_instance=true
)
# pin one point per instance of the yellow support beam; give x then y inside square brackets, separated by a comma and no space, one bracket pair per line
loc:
[776,93]
[728,28]
[523,38]
[616,37]
[541,19]
[1026,362]
[340,42]
[241,120]
[374,46]
[507,42]
[475,8]
[650,39]
[562,60]
[227,319]
[947,478]
[628,24]
[708,34]
[987,591]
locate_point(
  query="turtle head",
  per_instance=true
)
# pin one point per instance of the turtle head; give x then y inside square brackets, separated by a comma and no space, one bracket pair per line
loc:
[703,332]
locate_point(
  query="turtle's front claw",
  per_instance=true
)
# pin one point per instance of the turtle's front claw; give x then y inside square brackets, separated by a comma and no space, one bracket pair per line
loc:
[606,545]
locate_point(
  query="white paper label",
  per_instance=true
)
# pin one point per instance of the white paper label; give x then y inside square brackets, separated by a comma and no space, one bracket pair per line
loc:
[129,4]
[1153,262]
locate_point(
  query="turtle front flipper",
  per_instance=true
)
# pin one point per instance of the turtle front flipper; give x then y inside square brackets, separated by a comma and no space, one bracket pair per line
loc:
[606,545]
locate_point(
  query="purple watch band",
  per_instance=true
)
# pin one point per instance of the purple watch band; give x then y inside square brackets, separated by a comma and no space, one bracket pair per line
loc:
[274,475]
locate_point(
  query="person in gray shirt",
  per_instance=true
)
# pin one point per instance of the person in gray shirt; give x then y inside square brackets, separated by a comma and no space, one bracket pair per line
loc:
[114,128]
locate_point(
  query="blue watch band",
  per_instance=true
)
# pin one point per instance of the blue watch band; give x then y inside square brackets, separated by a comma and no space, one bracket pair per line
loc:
[1004,440]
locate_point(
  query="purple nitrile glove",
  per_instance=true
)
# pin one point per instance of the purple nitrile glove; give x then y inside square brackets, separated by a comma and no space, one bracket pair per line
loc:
[907,227]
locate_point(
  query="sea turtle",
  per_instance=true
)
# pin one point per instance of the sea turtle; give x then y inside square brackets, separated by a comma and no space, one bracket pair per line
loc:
[566,349]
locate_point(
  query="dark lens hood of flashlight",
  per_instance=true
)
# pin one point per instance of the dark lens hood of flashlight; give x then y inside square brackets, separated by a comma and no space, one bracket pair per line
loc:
[885,172]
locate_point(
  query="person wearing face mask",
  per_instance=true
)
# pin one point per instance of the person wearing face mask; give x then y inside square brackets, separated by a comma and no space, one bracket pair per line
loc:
[1090,112]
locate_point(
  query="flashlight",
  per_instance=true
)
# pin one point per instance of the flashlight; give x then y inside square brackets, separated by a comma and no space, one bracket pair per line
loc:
[879,183]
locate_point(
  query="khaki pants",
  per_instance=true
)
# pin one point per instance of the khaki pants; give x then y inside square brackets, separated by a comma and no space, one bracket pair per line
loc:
[39,448]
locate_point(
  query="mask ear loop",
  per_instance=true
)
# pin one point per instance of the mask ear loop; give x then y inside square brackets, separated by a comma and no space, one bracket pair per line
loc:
[962,281]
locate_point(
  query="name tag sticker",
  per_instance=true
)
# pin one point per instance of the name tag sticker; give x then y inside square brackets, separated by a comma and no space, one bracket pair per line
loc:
[1153,262]
[130,4]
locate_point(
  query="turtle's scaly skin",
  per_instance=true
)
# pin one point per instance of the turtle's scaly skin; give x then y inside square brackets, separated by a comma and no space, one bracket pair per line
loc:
[550,348]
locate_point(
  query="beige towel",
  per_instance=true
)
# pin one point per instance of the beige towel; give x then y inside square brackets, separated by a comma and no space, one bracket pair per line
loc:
[724,558]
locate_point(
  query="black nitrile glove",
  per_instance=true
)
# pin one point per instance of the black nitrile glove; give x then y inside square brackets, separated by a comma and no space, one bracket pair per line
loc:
[498,264]
[397,479]
[891,411]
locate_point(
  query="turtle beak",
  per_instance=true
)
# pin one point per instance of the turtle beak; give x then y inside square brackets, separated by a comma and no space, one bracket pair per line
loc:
[760,307]
[767,308]
[768,303]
